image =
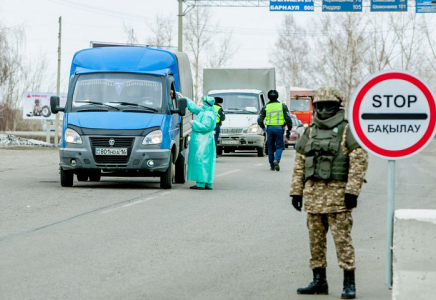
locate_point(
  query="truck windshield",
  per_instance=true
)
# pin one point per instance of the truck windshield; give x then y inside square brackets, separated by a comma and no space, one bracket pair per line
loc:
[238,103]
[118,90]
[300,105]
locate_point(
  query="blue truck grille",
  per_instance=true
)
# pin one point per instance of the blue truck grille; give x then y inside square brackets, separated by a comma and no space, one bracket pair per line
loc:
[118,142]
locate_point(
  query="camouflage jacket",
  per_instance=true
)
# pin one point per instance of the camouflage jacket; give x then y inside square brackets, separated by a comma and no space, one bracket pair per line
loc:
[322,196]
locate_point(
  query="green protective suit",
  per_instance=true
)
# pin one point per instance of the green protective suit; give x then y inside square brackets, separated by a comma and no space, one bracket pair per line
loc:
[202,151]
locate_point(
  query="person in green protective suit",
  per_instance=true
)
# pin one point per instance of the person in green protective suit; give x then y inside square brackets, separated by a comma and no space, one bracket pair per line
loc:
[202,151]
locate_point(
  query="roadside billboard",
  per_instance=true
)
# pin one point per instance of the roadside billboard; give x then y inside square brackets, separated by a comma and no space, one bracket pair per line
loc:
[36,106]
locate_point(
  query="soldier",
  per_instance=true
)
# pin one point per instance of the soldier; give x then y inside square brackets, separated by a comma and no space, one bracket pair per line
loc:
[328,173]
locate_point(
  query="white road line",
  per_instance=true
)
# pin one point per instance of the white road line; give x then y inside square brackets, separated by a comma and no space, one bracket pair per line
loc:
[258,165]
[137,202]
[227,173]
[164,193]
[110,210]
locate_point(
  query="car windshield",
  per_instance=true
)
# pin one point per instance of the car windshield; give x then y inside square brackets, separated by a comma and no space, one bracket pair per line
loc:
[119,90]
[300,105]
[238,103]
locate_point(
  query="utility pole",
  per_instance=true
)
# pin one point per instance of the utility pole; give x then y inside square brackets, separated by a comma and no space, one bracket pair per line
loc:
[180,25]
[58,82]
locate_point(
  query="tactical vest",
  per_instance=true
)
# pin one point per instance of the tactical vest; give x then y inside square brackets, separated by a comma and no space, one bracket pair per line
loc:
[325,159]
[217,109]
[274,114]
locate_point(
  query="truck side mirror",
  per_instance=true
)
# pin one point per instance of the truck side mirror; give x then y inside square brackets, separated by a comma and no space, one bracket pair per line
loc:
[54,105]
[182,104]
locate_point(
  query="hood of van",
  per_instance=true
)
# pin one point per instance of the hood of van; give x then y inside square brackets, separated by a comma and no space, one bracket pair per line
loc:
[239,121]
[114,120]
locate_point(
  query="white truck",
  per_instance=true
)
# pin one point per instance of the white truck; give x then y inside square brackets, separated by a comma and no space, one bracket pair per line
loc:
[244,92]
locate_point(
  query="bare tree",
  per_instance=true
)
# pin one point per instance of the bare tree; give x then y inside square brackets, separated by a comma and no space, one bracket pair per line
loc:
[17,75]
[429,33]
[342,48]
[197,36]
[409,33]
[221,51]
[291,54]
[163,32]
[132,39]
[383,44]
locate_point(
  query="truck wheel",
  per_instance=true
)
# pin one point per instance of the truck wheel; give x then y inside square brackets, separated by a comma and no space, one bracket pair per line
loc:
[219,150]
[260,152]
[82,176]
[166,179]
[46,112]
[95,176]
[67,178]
[180,176]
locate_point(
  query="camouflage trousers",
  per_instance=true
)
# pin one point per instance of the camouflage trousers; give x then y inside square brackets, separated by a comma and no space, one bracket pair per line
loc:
[340,224]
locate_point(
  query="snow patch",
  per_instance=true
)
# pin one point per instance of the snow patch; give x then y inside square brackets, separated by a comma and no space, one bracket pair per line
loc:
[12,140]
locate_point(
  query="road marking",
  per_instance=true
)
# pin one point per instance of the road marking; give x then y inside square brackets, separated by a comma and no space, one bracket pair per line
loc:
[164,193]
[137,202]
[101,210]
[227,173]
[258,165]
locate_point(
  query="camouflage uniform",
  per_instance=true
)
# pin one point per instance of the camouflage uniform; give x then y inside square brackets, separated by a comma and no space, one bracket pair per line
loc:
[324,201]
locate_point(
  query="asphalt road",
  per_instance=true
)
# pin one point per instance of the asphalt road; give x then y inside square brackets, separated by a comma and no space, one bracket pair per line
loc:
[127,239]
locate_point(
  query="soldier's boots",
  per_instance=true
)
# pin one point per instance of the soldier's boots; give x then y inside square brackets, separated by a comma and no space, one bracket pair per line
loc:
[349,291]
[318,285]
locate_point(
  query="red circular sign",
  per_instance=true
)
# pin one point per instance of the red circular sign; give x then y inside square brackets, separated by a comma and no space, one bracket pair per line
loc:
[355,113]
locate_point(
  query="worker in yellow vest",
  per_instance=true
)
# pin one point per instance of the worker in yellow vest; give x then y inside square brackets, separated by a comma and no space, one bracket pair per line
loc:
[275,115]
[221,117]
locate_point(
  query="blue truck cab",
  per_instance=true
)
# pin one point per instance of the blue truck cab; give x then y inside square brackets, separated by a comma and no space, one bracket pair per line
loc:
[123,116]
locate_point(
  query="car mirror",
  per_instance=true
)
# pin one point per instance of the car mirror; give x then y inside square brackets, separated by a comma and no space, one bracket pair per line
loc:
[54,105]
[181,104]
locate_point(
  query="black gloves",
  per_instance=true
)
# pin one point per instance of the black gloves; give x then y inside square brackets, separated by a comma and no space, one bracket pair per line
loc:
[288,134]
[350,201]
[297,202]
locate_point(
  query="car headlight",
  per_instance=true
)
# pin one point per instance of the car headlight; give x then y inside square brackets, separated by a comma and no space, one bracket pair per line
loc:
[153,138]
[253,129]
[306,125]
[72,137]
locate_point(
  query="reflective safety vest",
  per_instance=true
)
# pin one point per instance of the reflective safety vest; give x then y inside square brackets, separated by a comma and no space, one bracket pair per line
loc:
[274,114]
[217,109]
[324,157]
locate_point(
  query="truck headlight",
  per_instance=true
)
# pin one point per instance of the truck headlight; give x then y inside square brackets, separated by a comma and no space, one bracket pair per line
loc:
[153,138]
[253,129]
[72,137]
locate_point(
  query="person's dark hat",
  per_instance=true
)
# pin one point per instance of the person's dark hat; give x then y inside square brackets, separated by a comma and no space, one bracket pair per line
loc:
[218,100]
[273,95]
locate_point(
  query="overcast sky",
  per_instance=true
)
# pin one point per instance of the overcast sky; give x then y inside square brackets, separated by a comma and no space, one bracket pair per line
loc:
[254,29]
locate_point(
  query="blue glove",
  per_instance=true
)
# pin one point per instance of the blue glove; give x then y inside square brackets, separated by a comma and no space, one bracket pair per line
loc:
[264,129]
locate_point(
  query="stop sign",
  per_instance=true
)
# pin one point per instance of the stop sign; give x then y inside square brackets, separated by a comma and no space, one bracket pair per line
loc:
[392,114]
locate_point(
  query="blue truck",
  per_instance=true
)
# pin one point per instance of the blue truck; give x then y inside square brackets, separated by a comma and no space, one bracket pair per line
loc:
[124,116]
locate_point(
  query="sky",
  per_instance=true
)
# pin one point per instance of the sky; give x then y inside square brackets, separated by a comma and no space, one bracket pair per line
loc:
[254,29]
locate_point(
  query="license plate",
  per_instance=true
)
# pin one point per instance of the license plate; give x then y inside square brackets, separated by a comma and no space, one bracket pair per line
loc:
[230,142]
[111,151]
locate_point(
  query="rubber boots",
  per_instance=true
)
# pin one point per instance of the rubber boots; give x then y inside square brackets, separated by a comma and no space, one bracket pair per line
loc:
[318,285]
[349,291]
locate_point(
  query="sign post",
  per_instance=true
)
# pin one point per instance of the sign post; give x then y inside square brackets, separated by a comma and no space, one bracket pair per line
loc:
[392,115]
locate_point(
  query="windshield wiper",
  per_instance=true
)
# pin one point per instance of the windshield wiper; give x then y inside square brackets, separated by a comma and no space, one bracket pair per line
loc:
[96,103]
[134,104]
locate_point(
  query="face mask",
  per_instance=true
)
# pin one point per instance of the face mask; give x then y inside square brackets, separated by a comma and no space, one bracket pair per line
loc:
[326,110]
